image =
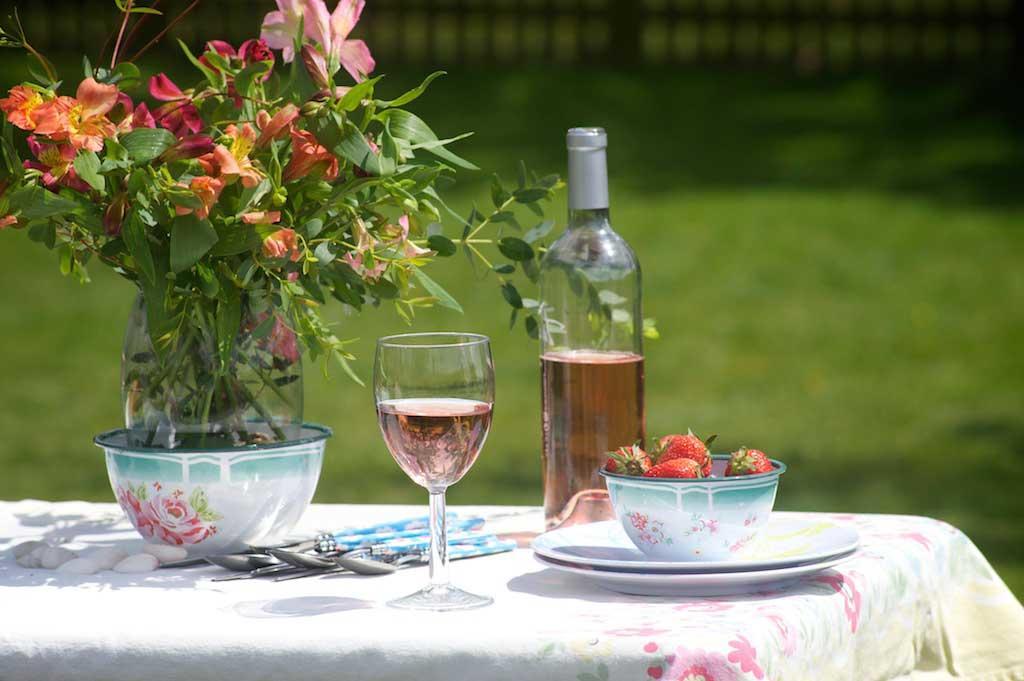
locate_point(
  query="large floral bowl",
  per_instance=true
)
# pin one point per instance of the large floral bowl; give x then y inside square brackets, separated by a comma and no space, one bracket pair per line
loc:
[215,500]
[703,519]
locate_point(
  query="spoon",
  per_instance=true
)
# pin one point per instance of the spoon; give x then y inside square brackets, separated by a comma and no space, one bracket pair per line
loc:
[242,562]
[359,566]
[303,560]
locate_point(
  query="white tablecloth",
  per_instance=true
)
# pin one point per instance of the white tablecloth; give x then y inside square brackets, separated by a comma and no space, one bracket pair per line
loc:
[918,602]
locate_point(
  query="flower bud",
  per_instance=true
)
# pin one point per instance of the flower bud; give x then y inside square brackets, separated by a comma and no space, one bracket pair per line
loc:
[113,217]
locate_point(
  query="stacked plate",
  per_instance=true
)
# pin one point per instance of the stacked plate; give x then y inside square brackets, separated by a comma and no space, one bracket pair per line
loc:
[790,546]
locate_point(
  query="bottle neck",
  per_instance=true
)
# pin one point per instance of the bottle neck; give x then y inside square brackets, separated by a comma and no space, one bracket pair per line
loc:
[589,218]
[588,179]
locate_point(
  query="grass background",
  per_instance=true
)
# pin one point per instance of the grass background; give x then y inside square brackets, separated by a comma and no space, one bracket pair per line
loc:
[835,265]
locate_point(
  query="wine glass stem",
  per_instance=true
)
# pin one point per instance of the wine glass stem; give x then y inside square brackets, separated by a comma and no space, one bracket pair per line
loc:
[438,541]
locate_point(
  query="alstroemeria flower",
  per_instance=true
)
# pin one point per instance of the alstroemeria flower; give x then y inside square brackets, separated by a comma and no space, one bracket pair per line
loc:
[399,238]
[232,162]
[278,126]
[331,32]
[8,221]
[129,117]
[281,28]
[82,119]
[284,243]
[56,162]
[113,217]
[192,146]
[256,50]
[20,106]
[261,217]
[179,114]
[355,261]
[316,66]
[207,190]
[309,157]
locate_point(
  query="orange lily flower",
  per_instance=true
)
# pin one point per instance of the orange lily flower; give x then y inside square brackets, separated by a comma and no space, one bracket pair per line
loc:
[309,156]
[282,243]
[232,162]
[20,106]
[207,190]
[82,120]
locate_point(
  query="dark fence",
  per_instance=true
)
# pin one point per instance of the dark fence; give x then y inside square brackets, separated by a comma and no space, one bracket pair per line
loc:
[809,35]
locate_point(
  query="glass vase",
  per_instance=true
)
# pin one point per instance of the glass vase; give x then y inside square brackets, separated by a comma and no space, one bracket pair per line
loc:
[186,390]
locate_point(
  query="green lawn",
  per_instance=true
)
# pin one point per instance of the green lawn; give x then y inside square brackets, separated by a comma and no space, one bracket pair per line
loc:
[836,268]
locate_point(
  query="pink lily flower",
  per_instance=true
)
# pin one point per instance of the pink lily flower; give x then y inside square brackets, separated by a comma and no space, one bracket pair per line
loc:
[281,28]
[179,114]
[309,157]
[399,238]
[82,119]
[331,32]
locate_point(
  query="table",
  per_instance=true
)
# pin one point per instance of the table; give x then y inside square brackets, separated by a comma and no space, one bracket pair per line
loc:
[918,602]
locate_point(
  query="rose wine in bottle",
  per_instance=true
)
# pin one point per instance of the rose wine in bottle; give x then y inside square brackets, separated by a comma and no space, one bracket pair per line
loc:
[592,366]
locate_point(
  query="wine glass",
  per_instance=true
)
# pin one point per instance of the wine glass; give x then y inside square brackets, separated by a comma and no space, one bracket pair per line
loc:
[435,393]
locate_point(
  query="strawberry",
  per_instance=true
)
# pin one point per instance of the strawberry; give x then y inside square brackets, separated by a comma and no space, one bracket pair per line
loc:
[630,460]
[748,462]
[675,468]
[687,446]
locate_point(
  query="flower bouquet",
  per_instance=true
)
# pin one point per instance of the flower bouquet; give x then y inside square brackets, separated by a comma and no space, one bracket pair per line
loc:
[240,205]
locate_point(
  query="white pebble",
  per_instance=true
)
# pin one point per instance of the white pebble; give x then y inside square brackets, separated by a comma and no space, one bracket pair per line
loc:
[26,547]
[107,558]
[55,556]
[80,566]
[140,562]
[166,553]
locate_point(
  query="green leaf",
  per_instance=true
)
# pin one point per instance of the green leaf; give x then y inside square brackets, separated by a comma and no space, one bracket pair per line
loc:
[504,268]
[249,75]
[210,74]
[412,94]
[324,253]
[229,318]
[191,239]
[609,297]
[389,154]
[515,248]
[444,299]
[250,196]
[145,144]
[529,195]
[351,100]
[134,235]
[407,126]
[126,75]
[498,194]
[44,232]
[235,239]
[87,165]
[443,245]
[531,327]
[264,328]
[346,141]
[539,232]
[511,295]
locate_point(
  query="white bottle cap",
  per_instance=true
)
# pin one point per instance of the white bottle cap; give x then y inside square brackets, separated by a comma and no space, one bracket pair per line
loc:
[588,168]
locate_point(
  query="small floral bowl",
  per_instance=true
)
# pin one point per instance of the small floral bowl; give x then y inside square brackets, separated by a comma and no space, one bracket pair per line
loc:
[215,500]
[703,519]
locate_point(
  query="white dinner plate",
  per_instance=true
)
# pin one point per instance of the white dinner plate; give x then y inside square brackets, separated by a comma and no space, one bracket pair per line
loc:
[694,584]
[787,540]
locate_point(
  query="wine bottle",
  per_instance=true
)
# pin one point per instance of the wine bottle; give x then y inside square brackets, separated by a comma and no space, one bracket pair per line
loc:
[592,367]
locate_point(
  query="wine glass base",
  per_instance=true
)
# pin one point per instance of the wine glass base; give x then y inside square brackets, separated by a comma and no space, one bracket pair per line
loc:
[440,598]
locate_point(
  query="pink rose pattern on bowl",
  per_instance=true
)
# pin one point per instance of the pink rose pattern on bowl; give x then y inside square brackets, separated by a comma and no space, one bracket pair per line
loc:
[168,516]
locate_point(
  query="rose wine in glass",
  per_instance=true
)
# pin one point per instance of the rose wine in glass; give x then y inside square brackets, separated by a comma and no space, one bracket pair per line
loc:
[435,395]
[592,366]
[434,439]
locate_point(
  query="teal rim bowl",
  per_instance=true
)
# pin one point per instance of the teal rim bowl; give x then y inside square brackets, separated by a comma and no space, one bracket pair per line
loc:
[694,519]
